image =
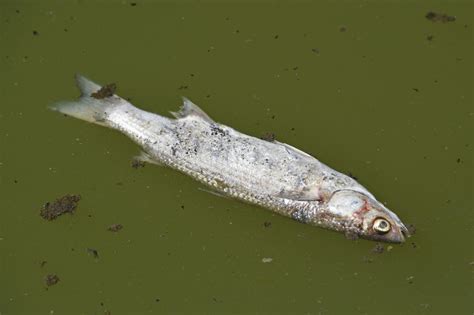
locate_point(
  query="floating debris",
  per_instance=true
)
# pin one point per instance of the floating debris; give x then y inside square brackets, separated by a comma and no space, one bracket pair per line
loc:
[378,249]
[136,163]
[267,260]
[411,229]
[267,224]
[51,279]
[115,227]
[105,91]
[439,17]
[93,252]
[367,259]
[65,204]
[351,236]
[410,279]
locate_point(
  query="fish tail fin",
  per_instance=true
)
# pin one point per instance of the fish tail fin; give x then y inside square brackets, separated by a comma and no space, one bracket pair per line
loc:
[93,105]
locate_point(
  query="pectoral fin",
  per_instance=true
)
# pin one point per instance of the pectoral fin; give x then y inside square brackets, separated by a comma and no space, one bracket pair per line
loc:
[304,194]
[144,157]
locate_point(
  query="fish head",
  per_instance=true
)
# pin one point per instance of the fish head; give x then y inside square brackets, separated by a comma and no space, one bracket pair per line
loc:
[363,216]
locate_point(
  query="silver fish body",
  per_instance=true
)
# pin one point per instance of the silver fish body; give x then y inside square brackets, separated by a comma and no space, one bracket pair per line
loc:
[271,174]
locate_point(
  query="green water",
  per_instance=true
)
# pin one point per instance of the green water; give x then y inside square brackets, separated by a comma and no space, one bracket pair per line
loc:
[370,88]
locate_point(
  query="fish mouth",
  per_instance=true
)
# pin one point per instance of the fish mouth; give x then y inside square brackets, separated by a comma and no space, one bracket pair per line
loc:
[399,236]
[405,232]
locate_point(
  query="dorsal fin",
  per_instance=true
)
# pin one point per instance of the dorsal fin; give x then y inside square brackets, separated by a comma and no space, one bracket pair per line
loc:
[292,150]
[189,108]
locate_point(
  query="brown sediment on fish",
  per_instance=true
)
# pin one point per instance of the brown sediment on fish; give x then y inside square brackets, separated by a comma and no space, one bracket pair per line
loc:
[107,90]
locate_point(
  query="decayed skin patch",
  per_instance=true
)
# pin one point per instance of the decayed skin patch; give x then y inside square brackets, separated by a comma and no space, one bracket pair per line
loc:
[64,204]
[105,91]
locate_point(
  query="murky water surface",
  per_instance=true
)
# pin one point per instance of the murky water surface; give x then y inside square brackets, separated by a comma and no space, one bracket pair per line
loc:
[374,89]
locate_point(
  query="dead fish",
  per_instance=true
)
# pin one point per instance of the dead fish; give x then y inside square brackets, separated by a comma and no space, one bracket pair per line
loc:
[270,174]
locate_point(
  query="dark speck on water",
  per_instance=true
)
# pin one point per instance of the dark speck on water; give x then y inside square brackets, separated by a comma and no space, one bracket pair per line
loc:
[367,259]
[378,249]
[351,236]
[35,33]
[267,224]
[411,229]
[439,17]
[115,227]
[93,252]
[65,204]
[105,91]
[136,163]
[51,279]
[268,136]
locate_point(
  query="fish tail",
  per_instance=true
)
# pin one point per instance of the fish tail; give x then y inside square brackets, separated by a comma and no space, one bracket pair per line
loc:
[94,104]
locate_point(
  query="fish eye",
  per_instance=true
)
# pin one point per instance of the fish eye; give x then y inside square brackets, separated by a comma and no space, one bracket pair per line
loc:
[381,226]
